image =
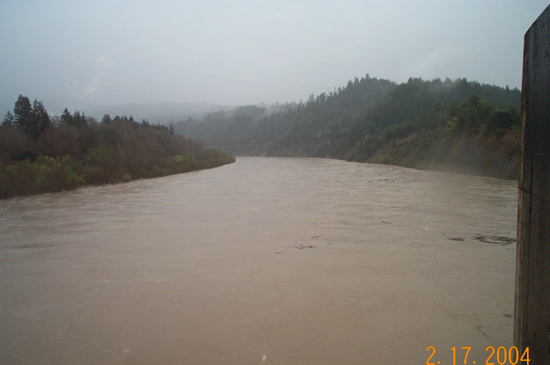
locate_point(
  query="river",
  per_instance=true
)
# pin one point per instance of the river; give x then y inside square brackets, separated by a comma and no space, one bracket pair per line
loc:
[267,260]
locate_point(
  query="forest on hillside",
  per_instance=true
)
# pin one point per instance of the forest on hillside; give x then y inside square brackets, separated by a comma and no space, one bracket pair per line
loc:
[366,116]
[39,153]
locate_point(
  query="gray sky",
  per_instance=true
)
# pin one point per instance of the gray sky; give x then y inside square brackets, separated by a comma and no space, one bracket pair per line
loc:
[73,53]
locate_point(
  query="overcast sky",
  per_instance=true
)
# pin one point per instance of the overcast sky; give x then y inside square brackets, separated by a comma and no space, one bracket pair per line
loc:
[246,52]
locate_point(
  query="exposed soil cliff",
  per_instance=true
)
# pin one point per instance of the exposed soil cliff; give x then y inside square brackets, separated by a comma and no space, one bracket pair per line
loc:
[495,156]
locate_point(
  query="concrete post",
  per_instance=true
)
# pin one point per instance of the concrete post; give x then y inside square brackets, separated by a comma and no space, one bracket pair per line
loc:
[532,303]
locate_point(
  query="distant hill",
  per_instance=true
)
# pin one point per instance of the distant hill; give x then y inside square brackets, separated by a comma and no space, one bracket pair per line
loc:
[444,124]
[163,113]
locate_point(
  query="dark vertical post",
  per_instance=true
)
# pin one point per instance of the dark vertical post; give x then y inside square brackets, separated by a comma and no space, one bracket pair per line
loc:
[532,304]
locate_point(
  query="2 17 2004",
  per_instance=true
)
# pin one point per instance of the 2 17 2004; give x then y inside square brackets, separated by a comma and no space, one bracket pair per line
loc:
[501,356]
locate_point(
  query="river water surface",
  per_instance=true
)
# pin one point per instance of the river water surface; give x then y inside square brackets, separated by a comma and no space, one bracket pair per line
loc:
[267,260]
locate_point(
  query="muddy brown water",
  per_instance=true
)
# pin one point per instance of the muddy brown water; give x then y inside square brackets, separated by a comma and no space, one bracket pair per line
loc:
[265,261]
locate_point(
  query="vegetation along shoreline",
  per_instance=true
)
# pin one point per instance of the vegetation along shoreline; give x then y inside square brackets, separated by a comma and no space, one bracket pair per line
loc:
[456,125]
[40,154]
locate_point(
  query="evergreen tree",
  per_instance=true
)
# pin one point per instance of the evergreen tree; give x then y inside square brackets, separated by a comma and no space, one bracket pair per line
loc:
[79,120]
[9,120]
[83,120]
[66,117]
[22,111]
[40,120]
[32,119]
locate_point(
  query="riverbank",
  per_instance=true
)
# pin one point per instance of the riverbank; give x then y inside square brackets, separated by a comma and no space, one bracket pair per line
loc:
[430,149]
[446,125]
[49,175]
[493,156]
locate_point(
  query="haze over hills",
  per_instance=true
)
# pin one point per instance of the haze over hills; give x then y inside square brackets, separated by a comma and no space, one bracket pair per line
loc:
[245,53]
[158,113]
[450,124]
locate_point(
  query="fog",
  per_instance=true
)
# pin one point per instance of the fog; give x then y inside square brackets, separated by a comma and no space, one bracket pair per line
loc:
[90,53]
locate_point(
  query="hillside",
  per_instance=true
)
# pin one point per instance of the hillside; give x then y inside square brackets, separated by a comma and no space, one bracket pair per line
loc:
[454,125]
[162,113]
[485,155]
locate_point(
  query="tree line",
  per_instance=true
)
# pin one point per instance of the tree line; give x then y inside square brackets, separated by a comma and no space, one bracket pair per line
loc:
[357,120]
[39,153]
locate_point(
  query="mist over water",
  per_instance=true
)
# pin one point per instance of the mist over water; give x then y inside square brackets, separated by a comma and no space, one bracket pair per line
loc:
[267,260]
